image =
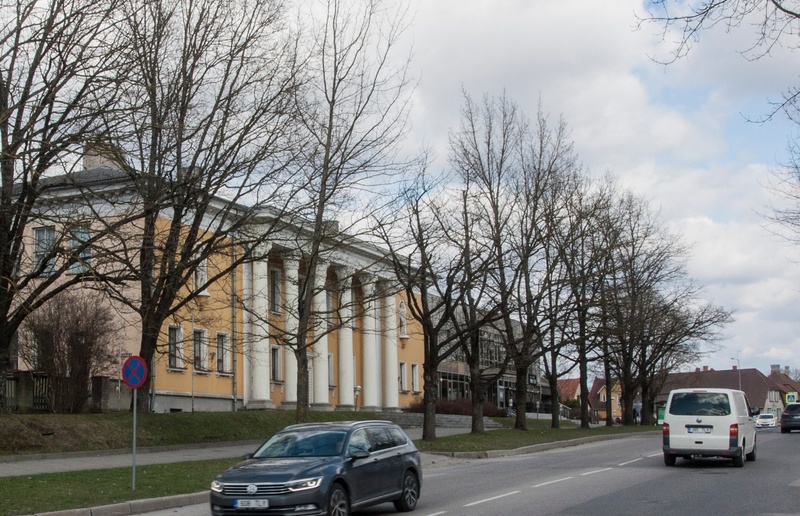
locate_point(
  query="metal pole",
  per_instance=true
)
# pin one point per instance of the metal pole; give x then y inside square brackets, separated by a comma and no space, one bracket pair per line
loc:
[133,471]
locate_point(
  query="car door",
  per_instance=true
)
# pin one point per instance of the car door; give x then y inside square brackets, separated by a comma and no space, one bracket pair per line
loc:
[363,474]
[388,457]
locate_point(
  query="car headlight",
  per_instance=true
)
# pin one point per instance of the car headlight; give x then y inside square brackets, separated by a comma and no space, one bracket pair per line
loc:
[217,486]
[305,484]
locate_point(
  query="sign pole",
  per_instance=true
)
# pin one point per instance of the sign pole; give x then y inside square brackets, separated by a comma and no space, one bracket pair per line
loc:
[133,469]
[134,374]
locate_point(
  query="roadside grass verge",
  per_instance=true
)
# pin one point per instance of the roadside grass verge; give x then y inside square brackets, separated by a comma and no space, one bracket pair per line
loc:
[538,432]
[34,494]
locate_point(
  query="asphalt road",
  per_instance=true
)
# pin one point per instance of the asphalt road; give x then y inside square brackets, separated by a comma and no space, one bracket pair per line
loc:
[620,477]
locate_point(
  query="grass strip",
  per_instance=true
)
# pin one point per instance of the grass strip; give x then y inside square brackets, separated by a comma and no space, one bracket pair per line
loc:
[33,494]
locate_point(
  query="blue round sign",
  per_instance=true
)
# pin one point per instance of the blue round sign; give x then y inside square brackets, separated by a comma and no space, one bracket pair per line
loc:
[134,372]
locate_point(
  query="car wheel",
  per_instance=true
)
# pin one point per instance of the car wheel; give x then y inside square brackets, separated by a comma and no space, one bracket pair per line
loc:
[784,430]
[669,460]
[408,498]
[738,461]
[752,455]
[338,504]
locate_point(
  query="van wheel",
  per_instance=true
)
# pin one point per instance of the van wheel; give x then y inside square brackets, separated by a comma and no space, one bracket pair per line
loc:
[752,455]
[669,460]
[738,461]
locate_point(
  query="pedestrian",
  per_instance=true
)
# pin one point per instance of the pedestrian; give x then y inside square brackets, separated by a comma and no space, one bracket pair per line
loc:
[635,417]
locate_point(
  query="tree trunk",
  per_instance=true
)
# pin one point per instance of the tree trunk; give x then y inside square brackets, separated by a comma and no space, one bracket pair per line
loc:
[583,367]
[301,412]
[521,396]
[476,388]
[429,403]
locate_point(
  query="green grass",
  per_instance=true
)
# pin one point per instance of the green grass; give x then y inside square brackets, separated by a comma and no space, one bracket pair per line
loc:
[26,434]
[58,491]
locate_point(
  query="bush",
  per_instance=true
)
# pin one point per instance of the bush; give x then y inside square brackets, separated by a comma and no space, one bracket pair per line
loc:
[461,407]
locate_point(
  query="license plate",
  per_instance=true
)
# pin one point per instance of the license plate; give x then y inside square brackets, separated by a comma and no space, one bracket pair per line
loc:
[694,430]
[251,504]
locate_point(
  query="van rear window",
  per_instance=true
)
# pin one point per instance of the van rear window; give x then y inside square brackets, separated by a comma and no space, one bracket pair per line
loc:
[700,404]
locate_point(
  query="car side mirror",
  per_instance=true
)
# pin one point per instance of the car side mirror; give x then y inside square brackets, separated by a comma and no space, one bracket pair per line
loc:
[359,454]
[247,456]
[754,411]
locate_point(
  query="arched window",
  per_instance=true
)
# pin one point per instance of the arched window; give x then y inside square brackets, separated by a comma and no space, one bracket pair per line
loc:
[401,312]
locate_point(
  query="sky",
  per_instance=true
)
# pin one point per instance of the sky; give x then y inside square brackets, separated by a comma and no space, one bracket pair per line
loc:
[679,135]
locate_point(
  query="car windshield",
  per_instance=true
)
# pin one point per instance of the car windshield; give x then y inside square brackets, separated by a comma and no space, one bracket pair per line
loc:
[766,416]
[700,404]
[303,443]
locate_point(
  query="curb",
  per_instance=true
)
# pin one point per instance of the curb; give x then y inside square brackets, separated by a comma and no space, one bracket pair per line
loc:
[136,506]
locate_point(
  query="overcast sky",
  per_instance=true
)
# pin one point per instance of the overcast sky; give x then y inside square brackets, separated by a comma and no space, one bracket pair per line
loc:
[676,135]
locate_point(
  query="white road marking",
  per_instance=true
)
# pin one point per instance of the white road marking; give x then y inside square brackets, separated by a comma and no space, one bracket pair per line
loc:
[437,513]
[491,499]
[655,454]
[596,471]
[553,482]
[629,462]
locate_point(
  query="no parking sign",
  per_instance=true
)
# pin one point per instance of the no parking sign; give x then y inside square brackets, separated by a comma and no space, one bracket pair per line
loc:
[134,374]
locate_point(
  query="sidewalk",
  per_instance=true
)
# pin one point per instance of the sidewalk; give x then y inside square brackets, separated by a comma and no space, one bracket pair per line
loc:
[17,465]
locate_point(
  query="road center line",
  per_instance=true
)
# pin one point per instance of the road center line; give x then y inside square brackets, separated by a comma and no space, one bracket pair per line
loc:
[596,471]
[553,482]
[437,513]
[655,454]
[629,462]
[491,499]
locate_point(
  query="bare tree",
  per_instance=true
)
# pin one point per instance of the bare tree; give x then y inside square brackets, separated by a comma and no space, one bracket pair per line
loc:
[352,111]
[58,59]
[430,271]
[70,340]
[208,109]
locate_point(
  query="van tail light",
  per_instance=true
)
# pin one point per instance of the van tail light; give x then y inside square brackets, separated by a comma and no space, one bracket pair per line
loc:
[733,442]
[665,433]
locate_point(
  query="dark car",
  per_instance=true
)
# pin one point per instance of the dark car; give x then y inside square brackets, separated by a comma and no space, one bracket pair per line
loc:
[323,468]
[790,418]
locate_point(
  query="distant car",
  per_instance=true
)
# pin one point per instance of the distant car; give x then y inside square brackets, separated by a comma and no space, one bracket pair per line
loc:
[766,420]
[323,469]
[790,418]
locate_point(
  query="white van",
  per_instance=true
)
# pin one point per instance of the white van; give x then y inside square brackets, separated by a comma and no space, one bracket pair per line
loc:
[709,423]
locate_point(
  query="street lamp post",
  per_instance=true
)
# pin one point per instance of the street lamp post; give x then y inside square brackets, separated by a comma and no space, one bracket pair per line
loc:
[738,368]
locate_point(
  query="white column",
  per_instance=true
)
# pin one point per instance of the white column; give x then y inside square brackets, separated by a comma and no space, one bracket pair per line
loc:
[322,399]
[260,337]
[346,386]
[291,270]
[371,390]
[390,364]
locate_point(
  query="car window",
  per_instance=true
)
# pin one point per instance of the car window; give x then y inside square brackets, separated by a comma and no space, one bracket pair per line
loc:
[306,443]
[359,442]
[380,438]
[793,409]
[398,437]
[700,404]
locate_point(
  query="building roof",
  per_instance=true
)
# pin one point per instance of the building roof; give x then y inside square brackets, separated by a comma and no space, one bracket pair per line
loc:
[568,388]
[755,385]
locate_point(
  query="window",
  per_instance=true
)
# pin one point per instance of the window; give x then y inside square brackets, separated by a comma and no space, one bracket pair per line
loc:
[199,350]
[276,368]
[331,370]
[201,274]
[223,353]
[79,236]
[403,381]
[175,347]
[275,290]
[415,377]
[44,240]
[401,312]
